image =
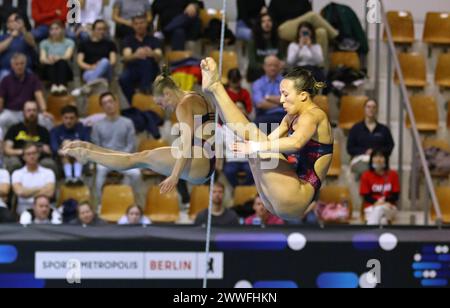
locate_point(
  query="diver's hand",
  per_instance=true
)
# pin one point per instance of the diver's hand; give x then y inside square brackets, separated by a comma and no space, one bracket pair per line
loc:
[210,74]
[168,185]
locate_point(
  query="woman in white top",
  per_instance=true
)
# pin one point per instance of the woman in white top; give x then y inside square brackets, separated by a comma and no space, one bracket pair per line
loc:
[134,216]
[306,53]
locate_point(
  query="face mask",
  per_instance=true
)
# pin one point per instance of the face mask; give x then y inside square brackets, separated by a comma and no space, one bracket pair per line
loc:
[378,166]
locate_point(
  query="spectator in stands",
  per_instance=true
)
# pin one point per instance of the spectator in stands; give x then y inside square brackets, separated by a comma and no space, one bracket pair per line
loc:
[266,95]
[305,53]
[97,56]
[248,12]
[55,54]
[18,88]
[284,10]
[27,131]
[5,187]
[123,13]
[41,213]
[236,92]
[16,40]
[220,215]
[134,216]
[262,216]
[265,43]
[380,189]
[32,180]
[5,215]
[117,134]
[366,136]
[179,20]
[7,8]
[45,13]
[91,11]
[141,54]
[87,216]
[70,130]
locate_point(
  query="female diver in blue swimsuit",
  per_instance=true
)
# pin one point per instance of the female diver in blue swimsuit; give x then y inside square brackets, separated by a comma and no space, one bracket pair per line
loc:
[286,190]
[193,159]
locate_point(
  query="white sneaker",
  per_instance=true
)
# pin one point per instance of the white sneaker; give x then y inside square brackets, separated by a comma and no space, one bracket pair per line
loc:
[76,92]
[62,89]
[54,89]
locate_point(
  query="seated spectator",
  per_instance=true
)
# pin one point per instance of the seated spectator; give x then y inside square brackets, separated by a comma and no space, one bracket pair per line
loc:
[262,216]
[70,130]
[18,88]
[87,217]
[16,40]
[55,54]
[91,11]
[41,213]
[27,131]
[380,189]
[248,12]
[141,54]
[265,43]
[134,216]
[284,10]
[305,53]
[45,13]
[115,133]
[179,20]
[7,8]
[366,136]
[123,13]
[236,92]
[5,187]
[266,96]
[5,215]
[97,55]
[220,215]
[32,180]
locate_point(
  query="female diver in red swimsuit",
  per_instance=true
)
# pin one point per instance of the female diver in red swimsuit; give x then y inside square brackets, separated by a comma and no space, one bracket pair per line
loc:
[286,190]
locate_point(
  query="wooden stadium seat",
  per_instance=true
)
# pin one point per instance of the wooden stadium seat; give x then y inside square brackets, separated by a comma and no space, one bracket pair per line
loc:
[323,102]
[93,105]
[336,163]
[56,103]
[426,112]
[414,70]
[230,61]
[162,208]
[147,103]
[448,115]
[437,143]
[206,15]
[115,201]
[78,193]
[199,200]
[402,27]
[443,196]
[442,76]
[352,111]
[177,55]
[244,194]
[347,59]
[336,194]
[437,28]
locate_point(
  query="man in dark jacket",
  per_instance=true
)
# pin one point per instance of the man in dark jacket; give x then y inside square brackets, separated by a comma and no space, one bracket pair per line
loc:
[70,130]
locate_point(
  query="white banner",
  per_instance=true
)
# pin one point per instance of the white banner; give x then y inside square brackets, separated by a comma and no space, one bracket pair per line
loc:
[75,266]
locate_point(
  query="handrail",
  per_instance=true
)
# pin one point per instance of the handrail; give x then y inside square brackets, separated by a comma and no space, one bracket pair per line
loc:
[407,105]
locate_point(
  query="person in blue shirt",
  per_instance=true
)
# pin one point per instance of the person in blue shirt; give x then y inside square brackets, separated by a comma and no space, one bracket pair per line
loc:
[266,96]
[16,40]
[70,130]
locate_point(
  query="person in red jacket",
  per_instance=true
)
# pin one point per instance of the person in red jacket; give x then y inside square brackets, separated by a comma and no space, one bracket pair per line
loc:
[236,92]
[45,12]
